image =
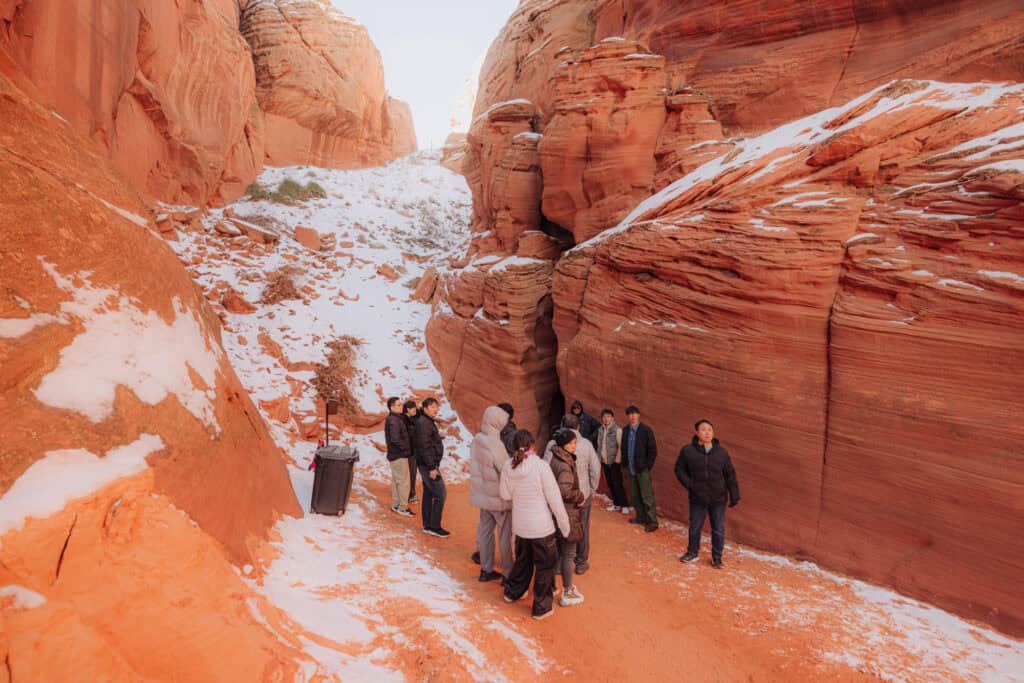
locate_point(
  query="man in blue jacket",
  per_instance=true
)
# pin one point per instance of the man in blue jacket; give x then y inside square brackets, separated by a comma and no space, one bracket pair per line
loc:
[639,452]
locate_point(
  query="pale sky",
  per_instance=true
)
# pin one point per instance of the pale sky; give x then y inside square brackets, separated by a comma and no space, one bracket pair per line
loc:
[429,47]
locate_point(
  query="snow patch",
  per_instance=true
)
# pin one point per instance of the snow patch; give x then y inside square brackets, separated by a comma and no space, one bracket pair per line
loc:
[21,597]
[59,477]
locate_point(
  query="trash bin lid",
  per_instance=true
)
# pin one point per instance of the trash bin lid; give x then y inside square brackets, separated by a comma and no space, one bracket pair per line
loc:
[338,453]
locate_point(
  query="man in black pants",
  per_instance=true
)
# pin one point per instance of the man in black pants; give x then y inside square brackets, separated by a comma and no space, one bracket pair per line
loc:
[409,411]
[639,451]
[429,449]
[706,470]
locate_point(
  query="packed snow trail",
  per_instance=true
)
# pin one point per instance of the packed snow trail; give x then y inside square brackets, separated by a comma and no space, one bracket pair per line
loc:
[369,597]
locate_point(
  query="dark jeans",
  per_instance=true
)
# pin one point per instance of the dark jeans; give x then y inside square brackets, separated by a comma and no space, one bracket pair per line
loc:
[566,553]
[433,499]
[412,476]
[642,492]
[583,547]
[613,475]
[698,512]
[535,558]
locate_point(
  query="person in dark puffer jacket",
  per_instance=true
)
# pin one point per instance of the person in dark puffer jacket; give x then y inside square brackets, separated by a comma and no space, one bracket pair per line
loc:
[399,450]
[429,449]
[509,431]
[409,411]
[705,470]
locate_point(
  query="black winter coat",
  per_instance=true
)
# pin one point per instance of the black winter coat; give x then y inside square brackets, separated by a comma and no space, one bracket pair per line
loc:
[507,432]
[646,447]
[396,436]
[426,442]
[709,477]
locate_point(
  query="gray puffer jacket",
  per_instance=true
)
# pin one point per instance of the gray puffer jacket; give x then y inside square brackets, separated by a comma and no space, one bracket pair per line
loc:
[487,459]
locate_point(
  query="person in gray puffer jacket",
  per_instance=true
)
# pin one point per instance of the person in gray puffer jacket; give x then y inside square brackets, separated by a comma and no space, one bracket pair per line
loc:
[487,459]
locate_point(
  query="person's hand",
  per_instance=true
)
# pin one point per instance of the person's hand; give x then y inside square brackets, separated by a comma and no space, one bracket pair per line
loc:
[433,474]
[734,503]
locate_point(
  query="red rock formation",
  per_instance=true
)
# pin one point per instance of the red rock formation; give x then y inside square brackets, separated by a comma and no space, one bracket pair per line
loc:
[320,83]
[99,351]
[126,74]
[456,145]
[840,297]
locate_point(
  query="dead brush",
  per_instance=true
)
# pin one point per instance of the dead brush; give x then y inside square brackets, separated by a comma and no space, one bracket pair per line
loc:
[280,287]
[333,377]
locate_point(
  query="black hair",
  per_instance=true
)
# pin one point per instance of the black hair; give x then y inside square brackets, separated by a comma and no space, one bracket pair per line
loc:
[576,404]
[698,423]
[608,411]
[563,437]
[427,402]
[392,401]
[632,409]
[507,407]
[407,405]
[522,440]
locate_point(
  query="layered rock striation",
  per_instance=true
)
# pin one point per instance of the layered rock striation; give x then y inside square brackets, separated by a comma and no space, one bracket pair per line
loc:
[794,287]
[320,84]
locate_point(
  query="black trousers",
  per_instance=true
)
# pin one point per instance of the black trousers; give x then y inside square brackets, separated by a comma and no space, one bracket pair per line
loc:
[535,559]
[412,475]
[698,513]
[613,475]
[434,495]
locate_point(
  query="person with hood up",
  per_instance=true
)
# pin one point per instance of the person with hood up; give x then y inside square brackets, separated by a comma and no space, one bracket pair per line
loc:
[588,425]
[487,460]
[536,507]
[563,465]
[705,469]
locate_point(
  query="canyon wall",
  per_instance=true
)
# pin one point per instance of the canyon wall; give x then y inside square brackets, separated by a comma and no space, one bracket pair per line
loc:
[135,471]
[173,91]
[320,84]
[837,295]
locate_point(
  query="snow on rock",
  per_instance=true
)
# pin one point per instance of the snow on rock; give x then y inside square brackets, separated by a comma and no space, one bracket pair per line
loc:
[122,345]
[21,597]
[53,481]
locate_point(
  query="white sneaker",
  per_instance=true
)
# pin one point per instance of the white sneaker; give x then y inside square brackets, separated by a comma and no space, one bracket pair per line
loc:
[626,511]
[613,508]
[571,597]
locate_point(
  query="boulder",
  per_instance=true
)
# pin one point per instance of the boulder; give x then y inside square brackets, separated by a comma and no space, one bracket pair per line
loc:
[308,237]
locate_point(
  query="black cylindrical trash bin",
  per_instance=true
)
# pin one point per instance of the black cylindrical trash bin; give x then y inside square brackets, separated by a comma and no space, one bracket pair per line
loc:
[332,479]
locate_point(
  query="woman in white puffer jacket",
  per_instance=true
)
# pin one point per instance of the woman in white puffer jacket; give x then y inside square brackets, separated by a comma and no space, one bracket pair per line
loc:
[529,483]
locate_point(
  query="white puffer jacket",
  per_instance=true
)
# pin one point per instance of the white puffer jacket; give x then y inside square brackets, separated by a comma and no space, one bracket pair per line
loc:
[535,498]
[487,459]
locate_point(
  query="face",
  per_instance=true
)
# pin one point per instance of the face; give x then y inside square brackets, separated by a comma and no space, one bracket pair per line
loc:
[396,407]
[411,412]
[570,447]
[606,419]
[634,419]
[432,409]
[705,433]
[576,410]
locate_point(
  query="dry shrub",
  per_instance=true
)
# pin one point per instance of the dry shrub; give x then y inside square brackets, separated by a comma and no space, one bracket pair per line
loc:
[279,287]
[332,378]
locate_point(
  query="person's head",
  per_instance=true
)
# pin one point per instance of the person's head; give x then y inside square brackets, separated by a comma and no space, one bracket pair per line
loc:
[607,416]
[705,431]
[430,406]
[566,440]
[394,405]
[522,442]
[577,408]
[633,416]
[570,422]
[409,408]
[507,407]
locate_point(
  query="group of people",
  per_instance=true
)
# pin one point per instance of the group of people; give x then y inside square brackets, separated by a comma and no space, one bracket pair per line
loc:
[536,506]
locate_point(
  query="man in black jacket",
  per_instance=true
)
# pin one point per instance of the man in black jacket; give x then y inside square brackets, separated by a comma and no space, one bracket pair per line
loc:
[588,424]
[429,449]
[399,450]
[409,410]
[639,450]
[510,429]
[706,471]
